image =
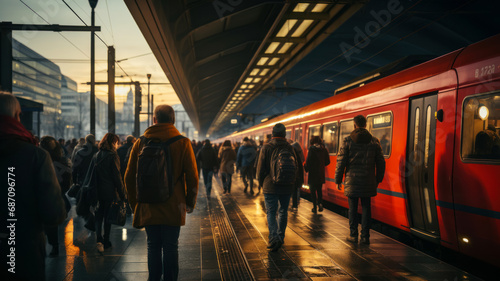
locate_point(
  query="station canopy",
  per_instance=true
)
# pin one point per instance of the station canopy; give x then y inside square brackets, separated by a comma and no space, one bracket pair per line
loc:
[253,60]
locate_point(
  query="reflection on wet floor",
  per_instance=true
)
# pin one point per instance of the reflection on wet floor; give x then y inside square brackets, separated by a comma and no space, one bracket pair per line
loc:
[314,248]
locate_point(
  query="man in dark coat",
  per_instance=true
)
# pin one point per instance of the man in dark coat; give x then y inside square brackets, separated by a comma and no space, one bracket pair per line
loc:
[276,194]
[362,160]
[31,194]
[317,159]
[245,160]
[208,159]
[82,159]
[124,152]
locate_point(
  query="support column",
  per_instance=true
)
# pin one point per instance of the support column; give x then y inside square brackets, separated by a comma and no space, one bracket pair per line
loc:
[111,89]
[138,101]
[6,57]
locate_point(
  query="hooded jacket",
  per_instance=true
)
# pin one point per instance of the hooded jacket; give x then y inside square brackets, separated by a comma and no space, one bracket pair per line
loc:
[185,174]
[317,159]
[362,160]
[246,155]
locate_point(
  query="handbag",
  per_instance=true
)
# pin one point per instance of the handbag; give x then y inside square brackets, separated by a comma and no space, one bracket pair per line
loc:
[118,213]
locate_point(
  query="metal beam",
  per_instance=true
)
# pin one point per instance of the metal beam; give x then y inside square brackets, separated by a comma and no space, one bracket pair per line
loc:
[111,89]
[48,27]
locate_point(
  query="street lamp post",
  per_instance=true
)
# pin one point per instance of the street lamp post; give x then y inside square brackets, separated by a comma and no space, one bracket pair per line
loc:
[93,4]
[149,111]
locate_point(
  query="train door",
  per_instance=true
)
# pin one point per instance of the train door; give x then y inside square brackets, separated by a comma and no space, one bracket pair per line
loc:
[420,168]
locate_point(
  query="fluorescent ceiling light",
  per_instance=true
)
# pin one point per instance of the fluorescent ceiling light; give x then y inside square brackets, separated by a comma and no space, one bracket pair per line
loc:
[273,61]
[243,95]
[262,61]
[244,86]
[302,27]
[251,86]
[239,91]
[257,80]
[247,91]
[272,47]
[233,98]
[237,95]
[240,98]
[301,7]
[264,71]
[283,49]
[319,8]
[287,26]
[254,72]
[248,80]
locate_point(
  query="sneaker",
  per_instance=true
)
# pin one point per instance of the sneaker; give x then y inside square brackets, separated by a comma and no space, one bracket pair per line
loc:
[272,244]
[100,247]
[352,239]
[314,210]
[365,241]
[277,246]
[224,192]
[107,244]
[320,208]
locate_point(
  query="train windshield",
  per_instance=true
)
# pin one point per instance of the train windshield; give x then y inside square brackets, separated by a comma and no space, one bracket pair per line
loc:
[481,127]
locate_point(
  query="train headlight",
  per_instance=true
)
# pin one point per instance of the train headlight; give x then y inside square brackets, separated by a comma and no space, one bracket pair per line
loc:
[465,240]
[483,112]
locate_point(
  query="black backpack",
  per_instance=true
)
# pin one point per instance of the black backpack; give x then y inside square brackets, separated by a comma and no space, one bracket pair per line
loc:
[283,165]
[155,182]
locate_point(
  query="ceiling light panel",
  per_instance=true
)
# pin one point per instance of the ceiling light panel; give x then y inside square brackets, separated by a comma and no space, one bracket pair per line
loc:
[248,80]
[262,61]
[254,72]
[287,26]
[273,61]
[272,47]
[264,71]
[257,80]
[302,28]
[284,49]
[301,7]
[319,8]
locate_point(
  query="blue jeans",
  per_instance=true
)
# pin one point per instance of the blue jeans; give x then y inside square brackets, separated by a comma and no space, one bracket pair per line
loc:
[365,218]
[226,181]
[277,227]
[207,180]
[166,238]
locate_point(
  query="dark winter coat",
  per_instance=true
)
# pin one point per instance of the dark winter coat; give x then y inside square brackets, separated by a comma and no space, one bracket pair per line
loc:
[227,158]
[207,157]
[81,162]
[362,160]
[38,202]
[264,168]
[122,152]
[109,180]
[317,159]
[246,155]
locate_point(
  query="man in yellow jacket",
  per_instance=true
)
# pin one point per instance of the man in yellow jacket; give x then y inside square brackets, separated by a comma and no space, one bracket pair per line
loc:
[164,220]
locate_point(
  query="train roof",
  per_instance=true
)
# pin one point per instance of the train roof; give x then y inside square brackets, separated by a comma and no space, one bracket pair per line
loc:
[476,52]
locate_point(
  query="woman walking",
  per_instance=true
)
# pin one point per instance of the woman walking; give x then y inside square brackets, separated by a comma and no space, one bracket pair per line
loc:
[317,159]
[109,186]
[227,158]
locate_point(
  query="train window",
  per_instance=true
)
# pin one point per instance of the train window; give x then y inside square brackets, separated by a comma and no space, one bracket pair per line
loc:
[380,126]
[415,141]
[298,135]
[346,127]
[330,136]
[427,136]
[288,134]
[314,131]
[481,127]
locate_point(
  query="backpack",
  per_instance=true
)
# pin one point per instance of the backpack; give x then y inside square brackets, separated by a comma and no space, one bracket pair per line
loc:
[283,165]
[154,171]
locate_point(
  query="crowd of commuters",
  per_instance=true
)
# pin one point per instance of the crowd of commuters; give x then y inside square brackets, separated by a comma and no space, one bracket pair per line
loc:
[47,168]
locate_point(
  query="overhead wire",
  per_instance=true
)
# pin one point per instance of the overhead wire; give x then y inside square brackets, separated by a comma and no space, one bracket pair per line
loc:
[69,41]
[69,7]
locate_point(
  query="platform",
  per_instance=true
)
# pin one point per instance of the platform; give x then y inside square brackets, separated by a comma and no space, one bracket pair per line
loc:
[225,238]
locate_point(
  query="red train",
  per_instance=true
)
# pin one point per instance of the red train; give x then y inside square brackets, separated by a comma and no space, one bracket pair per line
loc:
[438,123]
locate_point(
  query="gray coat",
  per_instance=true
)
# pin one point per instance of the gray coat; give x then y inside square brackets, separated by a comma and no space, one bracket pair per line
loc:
[362,161]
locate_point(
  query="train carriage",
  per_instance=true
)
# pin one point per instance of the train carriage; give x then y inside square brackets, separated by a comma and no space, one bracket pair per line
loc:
[438,123]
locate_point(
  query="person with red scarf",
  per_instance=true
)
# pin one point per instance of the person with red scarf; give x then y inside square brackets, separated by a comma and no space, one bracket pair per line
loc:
[30,184]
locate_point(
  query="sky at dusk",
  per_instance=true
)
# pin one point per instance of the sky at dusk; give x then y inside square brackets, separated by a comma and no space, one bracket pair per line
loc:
[118,28]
